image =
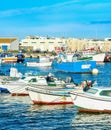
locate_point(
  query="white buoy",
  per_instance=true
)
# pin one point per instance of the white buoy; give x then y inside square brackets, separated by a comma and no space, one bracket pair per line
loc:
[95,71]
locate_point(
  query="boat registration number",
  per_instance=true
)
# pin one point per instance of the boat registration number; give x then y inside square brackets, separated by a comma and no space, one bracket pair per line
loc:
[86,66]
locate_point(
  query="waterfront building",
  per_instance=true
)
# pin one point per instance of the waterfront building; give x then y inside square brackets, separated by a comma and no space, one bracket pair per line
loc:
[49,44]
[42,44]
[81,44]
[9,44]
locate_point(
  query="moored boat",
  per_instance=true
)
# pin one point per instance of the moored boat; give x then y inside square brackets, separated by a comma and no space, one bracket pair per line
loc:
[8,58]
[53,95]
[47,95]
[96,99]
[39,64]
[74,66]
[18,87]
[99,58]
[96,56]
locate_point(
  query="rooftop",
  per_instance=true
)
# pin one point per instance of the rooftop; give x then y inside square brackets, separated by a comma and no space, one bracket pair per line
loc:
[7,40]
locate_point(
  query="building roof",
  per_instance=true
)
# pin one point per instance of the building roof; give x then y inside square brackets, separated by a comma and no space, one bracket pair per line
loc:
[7,40]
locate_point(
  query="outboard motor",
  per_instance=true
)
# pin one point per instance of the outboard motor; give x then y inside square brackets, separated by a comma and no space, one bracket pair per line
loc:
[68,79]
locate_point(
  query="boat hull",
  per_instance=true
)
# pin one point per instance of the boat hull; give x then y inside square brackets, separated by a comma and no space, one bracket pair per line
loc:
[49,97]
[99,58]
[87,103]
[16,88]
[75,67]
[9,60]
[38,64]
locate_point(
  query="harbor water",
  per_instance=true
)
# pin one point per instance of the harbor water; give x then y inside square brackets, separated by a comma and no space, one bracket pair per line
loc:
[19,113]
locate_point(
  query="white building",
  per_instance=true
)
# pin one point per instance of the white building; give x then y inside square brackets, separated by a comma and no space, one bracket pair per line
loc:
[42,43]
[9,44]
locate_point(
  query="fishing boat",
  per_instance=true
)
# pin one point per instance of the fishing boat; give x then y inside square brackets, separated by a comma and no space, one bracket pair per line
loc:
[75,66]
[49,95]
[94,55]
[96,99]
[99,58]
[40,62]
[18,87]
[7,58]
[52,94]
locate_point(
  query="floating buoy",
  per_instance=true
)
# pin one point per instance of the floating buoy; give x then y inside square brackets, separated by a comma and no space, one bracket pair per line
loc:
[95,71]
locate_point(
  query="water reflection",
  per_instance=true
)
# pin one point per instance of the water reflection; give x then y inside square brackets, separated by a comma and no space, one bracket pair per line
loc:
[7,98]
[92,121]
[49,107]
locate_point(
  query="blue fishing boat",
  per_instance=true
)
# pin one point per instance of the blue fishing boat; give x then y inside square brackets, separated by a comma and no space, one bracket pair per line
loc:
[85,66]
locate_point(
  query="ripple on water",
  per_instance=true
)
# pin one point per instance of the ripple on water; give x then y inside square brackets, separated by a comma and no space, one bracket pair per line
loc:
[92,121]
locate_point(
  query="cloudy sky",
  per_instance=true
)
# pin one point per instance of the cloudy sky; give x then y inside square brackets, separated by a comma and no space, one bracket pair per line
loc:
[68,18]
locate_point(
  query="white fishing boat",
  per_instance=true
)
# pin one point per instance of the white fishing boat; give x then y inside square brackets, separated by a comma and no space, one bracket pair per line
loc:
[53,95]
[39,64]
[90,52]
[18,87]
[96,99]
[99,58]
[50,95]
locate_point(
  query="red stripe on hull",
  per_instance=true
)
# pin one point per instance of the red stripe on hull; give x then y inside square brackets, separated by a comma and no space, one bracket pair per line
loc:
[9,61]
[51,103]
[20,94]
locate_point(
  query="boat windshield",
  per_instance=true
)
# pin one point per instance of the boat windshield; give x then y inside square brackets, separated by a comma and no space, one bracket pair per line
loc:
[92,91]
[33,80]
[106,93]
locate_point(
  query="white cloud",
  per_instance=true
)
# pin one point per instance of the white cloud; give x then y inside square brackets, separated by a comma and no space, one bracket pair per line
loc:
[19,11]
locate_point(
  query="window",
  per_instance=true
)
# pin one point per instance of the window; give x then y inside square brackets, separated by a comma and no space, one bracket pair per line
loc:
[51,42]
[42,42]
[106,93]
[33,42]
[92,91]
[33,80]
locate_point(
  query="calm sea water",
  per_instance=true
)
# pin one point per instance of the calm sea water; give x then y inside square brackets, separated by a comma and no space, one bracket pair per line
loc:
[19,113]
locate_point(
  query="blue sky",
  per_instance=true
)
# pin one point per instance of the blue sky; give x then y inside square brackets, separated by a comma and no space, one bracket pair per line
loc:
[68,18]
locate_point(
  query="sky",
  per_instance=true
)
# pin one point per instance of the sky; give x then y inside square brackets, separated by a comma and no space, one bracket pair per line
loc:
[56,18]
